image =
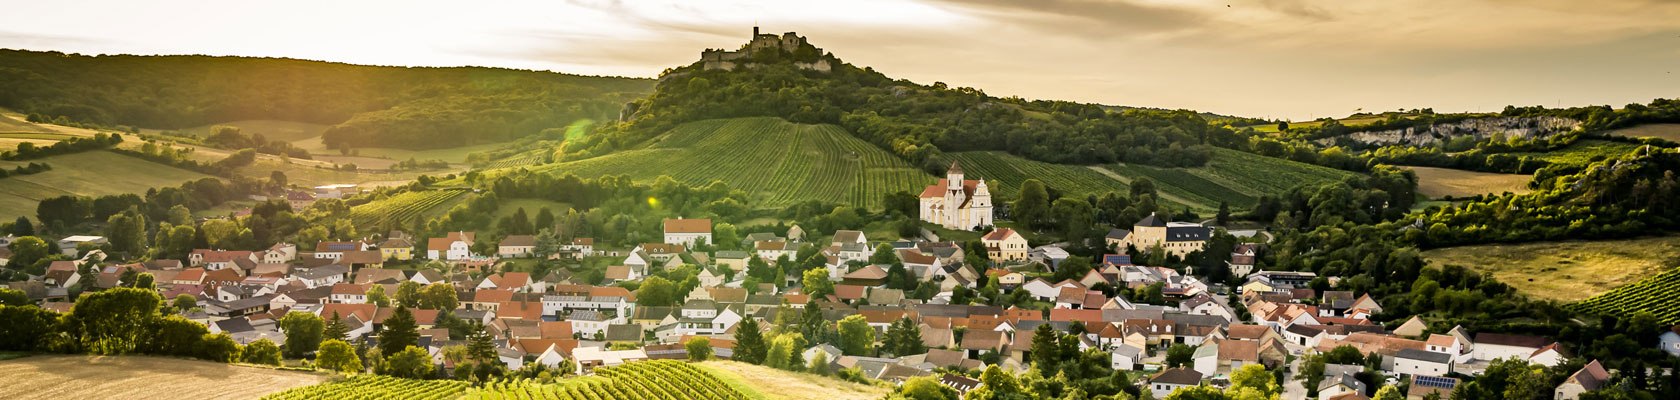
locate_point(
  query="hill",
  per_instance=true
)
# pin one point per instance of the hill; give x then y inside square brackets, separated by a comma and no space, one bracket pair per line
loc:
[368,106]
[92,173]
[1567,271]
[1669,132]
[105,377]
[1230,176]
[777,162]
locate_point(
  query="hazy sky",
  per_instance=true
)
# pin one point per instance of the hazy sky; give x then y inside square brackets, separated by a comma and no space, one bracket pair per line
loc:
[1266,58]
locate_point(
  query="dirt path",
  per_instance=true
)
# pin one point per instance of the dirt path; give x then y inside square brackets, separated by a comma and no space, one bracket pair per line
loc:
[1164,195]
[136,377]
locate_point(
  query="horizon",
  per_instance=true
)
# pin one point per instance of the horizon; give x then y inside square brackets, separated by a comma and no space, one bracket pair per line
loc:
[1292,59]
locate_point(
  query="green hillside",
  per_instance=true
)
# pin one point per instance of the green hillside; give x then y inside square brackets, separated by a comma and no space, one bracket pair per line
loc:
[1234,177]
[1004,174]
[777,162]
[93,173]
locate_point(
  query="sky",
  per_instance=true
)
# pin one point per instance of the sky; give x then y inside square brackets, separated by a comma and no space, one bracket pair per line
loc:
[1296,59]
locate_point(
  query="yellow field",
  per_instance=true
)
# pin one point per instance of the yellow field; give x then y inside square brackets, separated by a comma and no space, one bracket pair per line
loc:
[1437,183]
[1566,271]
[1669,132]
[271,129]
[136,377]
[769,383]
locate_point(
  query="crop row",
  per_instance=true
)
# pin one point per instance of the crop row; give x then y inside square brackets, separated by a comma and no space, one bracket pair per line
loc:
[1659,295]
[373,387]
[662,379]
[401,207]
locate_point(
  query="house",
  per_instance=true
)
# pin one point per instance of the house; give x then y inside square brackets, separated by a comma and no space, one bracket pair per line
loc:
[956,203]
[1550,356]
[975,343]
[1339,379]
[870,275]
[335,250]
[1176,238]
[1005,245]
[349,293]
[619,273]
[1165,382]
[688,232]
[1125,357]
[1242,260]
[325,275]
[1422,362]
[1494,346]
[1415,327]
[516,246]
[454,246]
[62,274]
[1591,377]
[735,260]
[299,200]
[578,248]
[68,245]
[519,282]
[279,253]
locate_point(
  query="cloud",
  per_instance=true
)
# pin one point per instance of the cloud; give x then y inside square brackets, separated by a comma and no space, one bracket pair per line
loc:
[1090,19]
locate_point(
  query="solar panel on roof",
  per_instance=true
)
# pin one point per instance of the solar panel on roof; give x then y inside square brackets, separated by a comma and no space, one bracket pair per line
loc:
[1436,381]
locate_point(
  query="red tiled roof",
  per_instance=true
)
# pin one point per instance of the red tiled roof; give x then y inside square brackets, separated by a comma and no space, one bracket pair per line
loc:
[696,225]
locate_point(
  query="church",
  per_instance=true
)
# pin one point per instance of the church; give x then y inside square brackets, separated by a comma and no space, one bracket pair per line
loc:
[958,204]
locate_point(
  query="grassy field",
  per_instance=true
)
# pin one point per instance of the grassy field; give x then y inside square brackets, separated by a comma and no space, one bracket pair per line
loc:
[1232,176]
[92,173]
[135,377]
[777,162]
[1438,183]
[13,123]
[1566,271]
[770,383]
[273,130]
[1583,152]
[1669,132]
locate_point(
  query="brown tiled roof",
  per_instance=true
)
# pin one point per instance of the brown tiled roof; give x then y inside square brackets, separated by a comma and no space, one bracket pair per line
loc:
[696,225]
[519,240]
[849,292]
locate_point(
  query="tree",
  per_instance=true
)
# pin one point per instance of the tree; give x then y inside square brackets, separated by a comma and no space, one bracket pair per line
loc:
[786,352]
[23,328]
[699,348]
[27,250]
[336,329]
[749,342]
[1390,392]
[656,291]
[812,325]
[819,364]
[262,351]
[224,233]
[904,337]
[1224,215]
[924,388]
[1252,380]
[1075,217]
[14,297]
[22,227]
[817,284]
[184,302]
[412,363]
[439,296]
[145,281]
[113,321]
[856,337]
[1179,355]
[336,355]
[218,347]
[304,332]
[408,294]
[126,232]
[1032,205]
[400,331]
[175,336]
[1045,354]
[480,347]
[376,295]
[884,254]
[545,220]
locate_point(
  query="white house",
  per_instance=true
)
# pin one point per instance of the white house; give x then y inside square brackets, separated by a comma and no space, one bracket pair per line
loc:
[1167,381]
[1669,341]
[688,232]
[453,247]
[1494,346]
[1589,378]
[1125,357]
[1422,363]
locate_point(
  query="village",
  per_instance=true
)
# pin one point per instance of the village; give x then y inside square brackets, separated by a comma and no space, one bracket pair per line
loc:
[1186,332]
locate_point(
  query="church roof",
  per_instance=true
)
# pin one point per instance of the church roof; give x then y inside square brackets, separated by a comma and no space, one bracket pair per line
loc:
[938,189]
[955,168]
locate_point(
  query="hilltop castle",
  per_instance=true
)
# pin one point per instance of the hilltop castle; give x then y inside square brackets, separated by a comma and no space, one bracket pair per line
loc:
[787,45]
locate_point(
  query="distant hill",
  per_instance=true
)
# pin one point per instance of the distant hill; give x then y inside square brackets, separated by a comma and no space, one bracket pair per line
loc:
[918,123]
[368,106]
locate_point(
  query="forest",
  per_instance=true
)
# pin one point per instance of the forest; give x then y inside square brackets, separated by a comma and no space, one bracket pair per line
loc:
[369,106]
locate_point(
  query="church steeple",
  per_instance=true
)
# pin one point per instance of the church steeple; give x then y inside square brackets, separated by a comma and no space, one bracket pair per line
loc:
[954,177]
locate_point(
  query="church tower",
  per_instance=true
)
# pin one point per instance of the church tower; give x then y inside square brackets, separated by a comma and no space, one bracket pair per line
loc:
[980,207]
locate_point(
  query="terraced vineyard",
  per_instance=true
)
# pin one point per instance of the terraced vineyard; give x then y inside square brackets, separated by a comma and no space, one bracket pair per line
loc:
[779,163]
[662,379]
[1004,173]
[372,387]
[1658,294]
[401,208]
[1233,177]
